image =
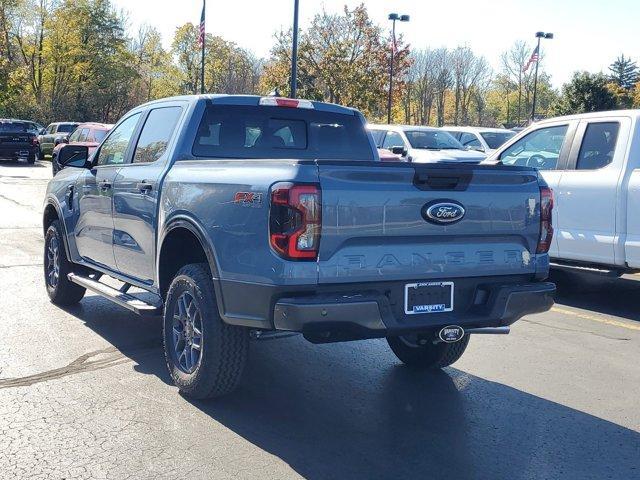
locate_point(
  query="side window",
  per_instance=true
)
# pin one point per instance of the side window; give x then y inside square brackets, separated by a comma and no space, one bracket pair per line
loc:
[156,134]
[82,136]
[114,148]
[539,149]
[598,145]
[470,140]
[377,137]
[50,129]
[393,139]
[75,137]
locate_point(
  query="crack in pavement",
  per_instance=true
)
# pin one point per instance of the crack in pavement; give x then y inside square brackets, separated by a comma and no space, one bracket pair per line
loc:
[576,330]
[111,357]
[22,265]
[11,200]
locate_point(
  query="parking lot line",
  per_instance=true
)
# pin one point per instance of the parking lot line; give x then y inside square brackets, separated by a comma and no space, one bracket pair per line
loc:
[594,318]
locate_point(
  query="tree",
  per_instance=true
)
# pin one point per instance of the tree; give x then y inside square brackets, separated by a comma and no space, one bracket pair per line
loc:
[624,72]
[342,58]
[228,68]
[586,92]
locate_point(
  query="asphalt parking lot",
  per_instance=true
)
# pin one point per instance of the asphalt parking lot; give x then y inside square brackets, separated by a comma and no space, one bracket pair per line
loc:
[84,392]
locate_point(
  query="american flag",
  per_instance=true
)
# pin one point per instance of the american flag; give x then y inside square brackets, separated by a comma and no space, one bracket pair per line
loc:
[535,56]
[201,36]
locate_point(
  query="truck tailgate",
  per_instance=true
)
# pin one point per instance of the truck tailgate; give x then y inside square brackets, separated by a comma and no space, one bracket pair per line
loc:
[374,225]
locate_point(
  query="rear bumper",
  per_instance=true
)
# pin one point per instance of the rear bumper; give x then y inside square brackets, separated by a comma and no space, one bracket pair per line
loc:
[369,314]
[15,152]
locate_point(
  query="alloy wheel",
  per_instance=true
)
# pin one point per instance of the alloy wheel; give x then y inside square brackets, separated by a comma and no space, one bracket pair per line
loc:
[186,334]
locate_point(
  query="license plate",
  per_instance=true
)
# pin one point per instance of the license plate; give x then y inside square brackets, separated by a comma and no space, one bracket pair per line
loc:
[430,297]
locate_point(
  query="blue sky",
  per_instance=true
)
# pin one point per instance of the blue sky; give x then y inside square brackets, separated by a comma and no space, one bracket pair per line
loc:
[589,34]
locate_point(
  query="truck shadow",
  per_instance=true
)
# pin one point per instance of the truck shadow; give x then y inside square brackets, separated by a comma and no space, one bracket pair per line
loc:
[351,411]
[611,296]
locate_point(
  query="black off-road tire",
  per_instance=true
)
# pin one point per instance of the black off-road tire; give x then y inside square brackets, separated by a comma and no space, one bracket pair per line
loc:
[40,155]
[62,292]
[31,159]
[429,356]
[224,347]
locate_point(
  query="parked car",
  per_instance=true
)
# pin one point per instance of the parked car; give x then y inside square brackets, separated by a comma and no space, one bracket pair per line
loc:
[482,139]
[423,144]
[395,155]
[592,162]
[247,216]
[54,134]
[18,141]
[88,134]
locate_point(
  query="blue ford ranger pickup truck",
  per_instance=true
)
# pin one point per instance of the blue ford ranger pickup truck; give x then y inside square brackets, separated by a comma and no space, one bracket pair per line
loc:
[245,216]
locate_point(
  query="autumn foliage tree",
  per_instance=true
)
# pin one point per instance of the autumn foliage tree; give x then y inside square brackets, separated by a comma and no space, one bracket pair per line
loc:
[343,58]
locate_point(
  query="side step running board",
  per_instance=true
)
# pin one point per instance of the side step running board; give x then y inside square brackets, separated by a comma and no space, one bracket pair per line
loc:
[117,296]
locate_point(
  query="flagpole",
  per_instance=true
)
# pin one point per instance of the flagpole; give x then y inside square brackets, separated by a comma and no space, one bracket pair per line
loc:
[204,7]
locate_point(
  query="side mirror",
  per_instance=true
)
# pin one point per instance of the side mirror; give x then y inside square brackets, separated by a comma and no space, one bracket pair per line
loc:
[74,156]
[399,151]
[64,140]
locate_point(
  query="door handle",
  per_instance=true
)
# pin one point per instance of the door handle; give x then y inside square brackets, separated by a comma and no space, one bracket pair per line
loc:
[144,187]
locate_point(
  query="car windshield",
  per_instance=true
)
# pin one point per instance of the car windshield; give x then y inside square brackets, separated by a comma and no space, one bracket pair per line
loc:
[66,127]
[99,135]
[14,127]
[496,139]
[432,140]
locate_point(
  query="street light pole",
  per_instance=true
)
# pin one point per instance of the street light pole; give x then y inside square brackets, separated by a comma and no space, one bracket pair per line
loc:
[539,36]
[294,53]
[393,17]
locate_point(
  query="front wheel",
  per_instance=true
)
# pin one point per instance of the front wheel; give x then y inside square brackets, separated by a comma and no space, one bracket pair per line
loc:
[412,352]
[205,356]
[60,289]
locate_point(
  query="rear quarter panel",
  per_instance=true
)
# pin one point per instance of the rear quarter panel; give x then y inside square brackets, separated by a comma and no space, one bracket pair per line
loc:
[204,191]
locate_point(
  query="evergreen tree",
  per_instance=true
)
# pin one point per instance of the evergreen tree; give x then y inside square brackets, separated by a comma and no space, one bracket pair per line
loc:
[624,72]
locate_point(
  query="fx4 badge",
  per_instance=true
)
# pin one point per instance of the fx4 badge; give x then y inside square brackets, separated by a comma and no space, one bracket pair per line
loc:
[248,199]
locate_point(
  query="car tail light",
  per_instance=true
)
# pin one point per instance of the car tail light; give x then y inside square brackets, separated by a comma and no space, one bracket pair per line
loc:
[285,102]
[546,226]
[295,221]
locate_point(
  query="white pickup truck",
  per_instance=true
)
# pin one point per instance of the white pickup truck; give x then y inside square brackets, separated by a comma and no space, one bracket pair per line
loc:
[592,163]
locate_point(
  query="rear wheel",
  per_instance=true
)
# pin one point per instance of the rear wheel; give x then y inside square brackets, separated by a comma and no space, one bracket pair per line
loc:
[410,350]
[60,289]
[40,154]
[205,356]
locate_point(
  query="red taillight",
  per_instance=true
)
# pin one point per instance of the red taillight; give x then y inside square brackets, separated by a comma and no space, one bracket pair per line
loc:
[295,221]
[546,226]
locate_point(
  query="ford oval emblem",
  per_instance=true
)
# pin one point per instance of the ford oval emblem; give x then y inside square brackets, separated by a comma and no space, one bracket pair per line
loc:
[443,212]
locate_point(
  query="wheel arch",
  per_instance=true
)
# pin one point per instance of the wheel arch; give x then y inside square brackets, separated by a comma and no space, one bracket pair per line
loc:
[52,212]
[195,247]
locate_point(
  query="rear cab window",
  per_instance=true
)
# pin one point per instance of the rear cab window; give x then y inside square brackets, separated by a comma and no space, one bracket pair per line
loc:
[265,132]
[14,127]
[598,145]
